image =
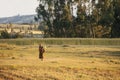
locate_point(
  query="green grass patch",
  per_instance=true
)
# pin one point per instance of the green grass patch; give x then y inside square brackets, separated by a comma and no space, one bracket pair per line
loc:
[61,41]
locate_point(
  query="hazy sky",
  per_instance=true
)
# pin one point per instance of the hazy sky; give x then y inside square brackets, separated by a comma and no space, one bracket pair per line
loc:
[15,7]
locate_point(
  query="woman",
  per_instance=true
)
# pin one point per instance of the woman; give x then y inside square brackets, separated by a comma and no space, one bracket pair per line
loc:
[41,51]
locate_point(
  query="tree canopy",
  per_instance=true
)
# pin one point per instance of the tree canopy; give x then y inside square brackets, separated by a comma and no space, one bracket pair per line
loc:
[80,18]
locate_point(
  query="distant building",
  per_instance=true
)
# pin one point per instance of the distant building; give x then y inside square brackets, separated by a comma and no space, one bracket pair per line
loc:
[34,34]
[23,31]
[26,34]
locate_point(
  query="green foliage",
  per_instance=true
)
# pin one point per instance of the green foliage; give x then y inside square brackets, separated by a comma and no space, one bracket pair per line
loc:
[61,41]
[61,20]
[5,34]
[116,24]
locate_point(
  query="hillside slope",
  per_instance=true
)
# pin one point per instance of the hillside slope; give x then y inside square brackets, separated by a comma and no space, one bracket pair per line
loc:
[18,19]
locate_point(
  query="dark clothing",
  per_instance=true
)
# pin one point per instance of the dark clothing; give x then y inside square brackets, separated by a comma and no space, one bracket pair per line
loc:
[41,51]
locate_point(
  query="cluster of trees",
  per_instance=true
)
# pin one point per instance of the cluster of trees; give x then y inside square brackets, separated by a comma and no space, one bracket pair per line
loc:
[5,35]
[80,18]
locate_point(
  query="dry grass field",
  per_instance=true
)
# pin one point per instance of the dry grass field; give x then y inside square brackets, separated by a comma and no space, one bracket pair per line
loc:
[61,62]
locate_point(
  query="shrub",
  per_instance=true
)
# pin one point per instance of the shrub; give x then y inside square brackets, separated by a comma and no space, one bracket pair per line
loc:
[5,34]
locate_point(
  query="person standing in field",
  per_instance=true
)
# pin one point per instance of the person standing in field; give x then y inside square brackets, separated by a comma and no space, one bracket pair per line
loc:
[41,52]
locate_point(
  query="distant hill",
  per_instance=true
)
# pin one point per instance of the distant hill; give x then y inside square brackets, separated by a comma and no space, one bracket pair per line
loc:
[18,19]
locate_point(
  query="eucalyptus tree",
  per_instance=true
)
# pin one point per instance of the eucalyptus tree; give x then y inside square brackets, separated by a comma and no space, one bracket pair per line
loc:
[63,18]
[115,31]
[107,15]
[57,16]
[81,19]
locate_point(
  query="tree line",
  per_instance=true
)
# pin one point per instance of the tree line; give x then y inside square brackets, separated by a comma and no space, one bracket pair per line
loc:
[80,18]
